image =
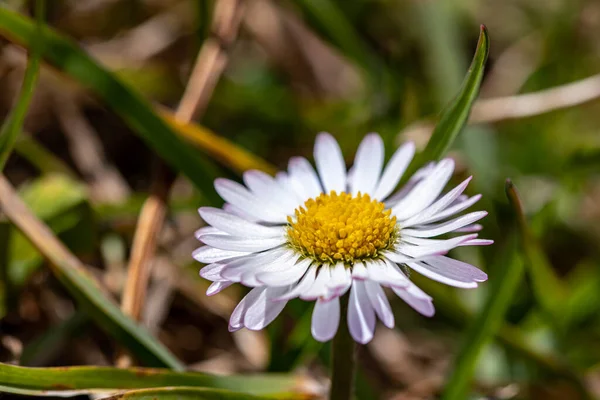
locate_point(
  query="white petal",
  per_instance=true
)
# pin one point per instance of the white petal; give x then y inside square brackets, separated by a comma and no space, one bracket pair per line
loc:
[399,258]
[439,205]
[417,299]
[330,163]
[293,185]
[380,303]
[237,243]
[359,271]
[367,165]
[284,263]
[417,177]
[289,275]
[442,276]
[453,209]
[383,273]
[230,208]
[306,282]
[470,228]
[250,277]
[477,242]
[237,226]
[319,286]
[242,198]
[340,278]
[394,170]
[301,170]
[208,254]
[440,229]
[325,319]
[216,287]
[236,321]
[460,199]
[235,269]
[456,269]
[208,230]
[361,316]
[419,248]
[424,192]
[264,310]
[212,272]
[269,191]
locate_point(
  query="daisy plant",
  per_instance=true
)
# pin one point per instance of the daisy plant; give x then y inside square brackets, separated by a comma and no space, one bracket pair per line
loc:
[338,237]
[317,235]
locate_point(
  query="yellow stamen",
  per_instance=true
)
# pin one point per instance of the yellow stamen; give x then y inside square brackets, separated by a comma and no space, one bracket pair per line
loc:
[335,227]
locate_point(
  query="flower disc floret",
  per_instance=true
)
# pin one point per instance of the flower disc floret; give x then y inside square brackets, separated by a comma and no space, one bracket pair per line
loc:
[341,227]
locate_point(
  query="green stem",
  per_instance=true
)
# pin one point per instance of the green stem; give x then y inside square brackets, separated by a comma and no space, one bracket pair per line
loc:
[343,358]
[14,122]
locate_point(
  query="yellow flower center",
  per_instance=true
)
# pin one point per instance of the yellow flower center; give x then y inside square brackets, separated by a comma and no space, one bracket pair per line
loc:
[335,227]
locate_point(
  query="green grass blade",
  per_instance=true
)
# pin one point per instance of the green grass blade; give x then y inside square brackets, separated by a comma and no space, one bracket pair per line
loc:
[63,381]
[487,323]
[328,18]
[47,345]
[549,291]
[132,108]
[170,393]
[40,157]
[13,124]
[455,115]
[509,336]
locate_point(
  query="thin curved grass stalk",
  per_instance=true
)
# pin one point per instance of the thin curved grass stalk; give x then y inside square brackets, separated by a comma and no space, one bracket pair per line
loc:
[13,124]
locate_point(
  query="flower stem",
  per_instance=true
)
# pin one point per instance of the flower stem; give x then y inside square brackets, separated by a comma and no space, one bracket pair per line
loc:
[343,358]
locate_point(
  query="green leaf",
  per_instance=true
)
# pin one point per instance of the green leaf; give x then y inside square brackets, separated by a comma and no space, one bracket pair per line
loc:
[62,381]
[169,393]
[131,107]
[489,320]
[455,115]
[13,124]
[62,203]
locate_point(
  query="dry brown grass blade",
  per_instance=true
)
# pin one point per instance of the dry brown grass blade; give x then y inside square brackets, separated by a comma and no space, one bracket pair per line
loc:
[212,59]
[149,225]
[505,108]
[218,147]
[207,70]
[40,235]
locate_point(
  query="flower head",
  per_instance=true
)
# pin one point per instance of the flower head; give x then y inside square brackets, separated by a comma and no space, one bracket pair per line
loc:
[318,236]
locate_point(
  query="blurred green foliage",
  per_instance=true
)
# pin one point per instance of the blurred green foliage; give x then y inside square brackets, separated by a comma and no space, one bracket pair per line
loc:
[385,66]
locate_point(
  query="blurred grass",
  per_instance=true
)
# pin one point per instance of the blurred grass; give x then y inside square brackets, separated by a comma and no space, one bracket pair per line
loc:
[183,393]
[101,380]
[11,127]
[454,117]
[82,285]
[134,110]
[44,160]
[411,57]
[489,319]
[62,203]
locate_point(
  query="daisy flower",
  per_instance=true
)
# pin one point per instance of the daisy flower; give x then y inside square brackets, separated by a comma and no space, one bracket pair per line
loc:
[317,235]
